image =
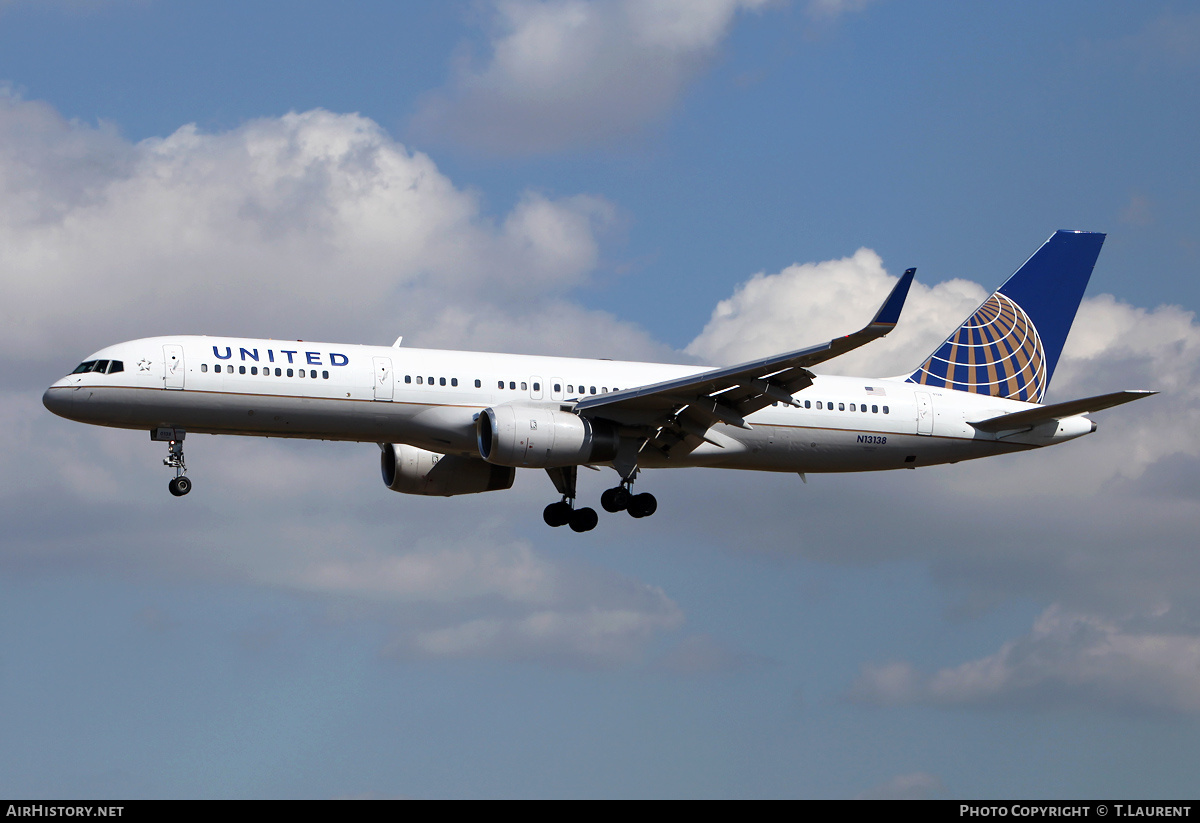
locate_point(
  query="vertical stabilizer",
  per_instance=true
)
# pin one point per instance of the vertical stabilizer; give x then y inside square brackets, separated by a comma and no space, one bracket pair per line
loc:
[1010,345]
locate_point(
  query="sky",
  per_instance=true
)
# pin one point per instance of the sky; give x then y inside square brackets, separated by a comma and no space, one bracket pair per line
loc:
[699,182]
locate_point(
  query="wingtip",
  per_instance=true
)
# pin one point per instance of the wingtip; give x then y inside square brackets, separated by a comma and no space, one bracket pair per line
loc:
[889,312]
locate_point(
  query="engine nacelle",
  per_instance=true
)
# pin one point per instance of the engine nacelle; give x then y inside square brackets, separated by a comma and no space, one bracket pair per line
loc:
[410,470]
[543,437]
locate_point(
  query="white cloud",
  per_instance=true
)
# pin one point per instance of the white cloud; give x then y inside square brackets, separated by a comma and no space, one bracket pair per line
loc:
[313,225]
[806,304]
[1068,659]
[476,596]
[566,72]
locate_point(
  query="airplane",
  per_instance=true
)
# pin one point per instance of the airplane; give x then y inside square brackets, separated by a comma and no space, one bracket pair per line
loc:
[455,422]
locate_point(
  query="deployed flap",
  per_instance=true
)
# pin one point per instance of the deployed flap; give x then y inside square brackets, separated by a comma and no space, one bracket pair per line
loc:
[1057,411]
[695,403]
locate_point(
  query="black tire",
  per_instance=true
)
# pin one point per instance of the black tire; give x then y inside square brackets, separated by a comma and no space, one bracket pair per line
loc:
[557,514]
[584,520]
[179,486]
[615,500]
[642,505]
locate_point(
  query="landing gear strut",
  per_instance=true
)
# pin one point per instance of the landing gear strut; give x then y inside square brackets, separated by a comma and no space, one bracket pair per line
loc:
[179,485]
[564,513]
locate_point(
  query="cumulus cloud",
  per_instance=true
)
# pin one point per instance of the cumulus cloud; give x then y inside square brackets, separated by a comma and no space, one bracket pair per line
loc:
[810,303]
[310,225]
[1112,346]
[314,225]
[1068,659]
[567,72]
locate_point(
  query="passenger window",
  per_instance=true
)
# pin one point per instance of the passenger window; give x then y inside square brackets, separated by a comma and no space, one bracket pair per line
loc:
[408,378]
[241,369]
[217,368]
[841,406]
[289,372]
[819,406]
[885,409]
[593,388]
[453,381]
[203,367]
[557,387]
[441,381]
[537,386]
[874,409]
[279,372]
[499,384]
[420,380]
[478,385]
[570,388]
[808,404]
[429,380]
[312,373]
[324,375]
[524,386]
[512,385]
[604,389]
[852,407]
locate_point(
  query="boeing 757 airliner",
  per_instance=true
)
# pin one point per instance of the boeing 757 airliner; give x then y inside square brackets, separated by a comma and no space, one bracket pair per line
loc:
[451,422]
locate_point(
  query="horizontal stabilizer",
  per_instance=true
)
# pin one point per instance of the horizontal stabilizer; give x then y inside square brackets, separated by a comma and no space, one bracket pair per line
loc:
[1057,411]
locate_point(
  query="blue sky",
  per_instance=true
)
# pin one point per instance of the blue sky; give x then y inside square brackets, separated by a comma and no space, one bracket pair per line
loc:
[595,178]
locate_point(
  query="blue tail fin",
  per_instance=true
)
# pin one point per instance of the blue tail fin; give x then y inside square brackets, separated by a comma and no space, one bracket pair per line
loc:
[1010,345]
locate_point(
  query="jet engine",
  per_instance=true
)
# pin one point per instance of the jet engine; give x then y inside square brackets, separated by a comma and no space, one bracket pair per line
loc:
[411,470]
[543,437]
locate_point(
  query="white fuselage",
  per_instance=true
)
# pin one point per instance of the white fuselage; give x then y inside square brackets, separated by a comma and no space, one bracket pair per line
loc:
[431,399]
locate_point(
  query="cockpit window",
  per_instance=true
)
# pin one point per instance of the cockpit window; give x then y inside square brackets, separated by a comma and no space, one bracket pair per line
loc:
[99,367]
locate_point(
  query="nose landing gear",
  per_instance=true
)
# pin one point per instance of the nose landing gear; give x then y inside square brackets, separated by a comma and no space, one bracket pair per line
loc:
[179,485]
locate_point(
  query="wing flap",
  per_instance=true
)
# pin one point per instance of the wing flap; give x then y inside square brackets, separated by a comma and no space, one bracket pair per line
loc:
[747,387]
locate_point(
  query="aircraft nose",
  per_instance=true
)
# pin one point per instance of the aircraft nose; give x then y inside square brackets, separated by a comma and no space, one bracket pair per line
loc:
[59,400]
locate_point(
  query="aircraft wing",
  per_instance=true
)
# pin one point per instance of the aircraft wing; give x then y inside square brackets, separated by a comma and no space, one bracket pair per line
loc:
[683,410]
[1057,411]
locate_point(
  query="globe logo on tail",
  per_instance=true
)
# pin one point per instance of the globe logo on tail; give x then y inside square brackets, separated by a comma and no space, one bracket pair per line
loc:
[996,352]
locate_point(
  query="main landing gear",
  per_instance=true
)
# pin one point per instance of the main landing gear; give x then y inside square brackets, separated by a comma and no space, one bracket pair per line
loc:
[620,499]
[179,485]
[617,499]
[564,513]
